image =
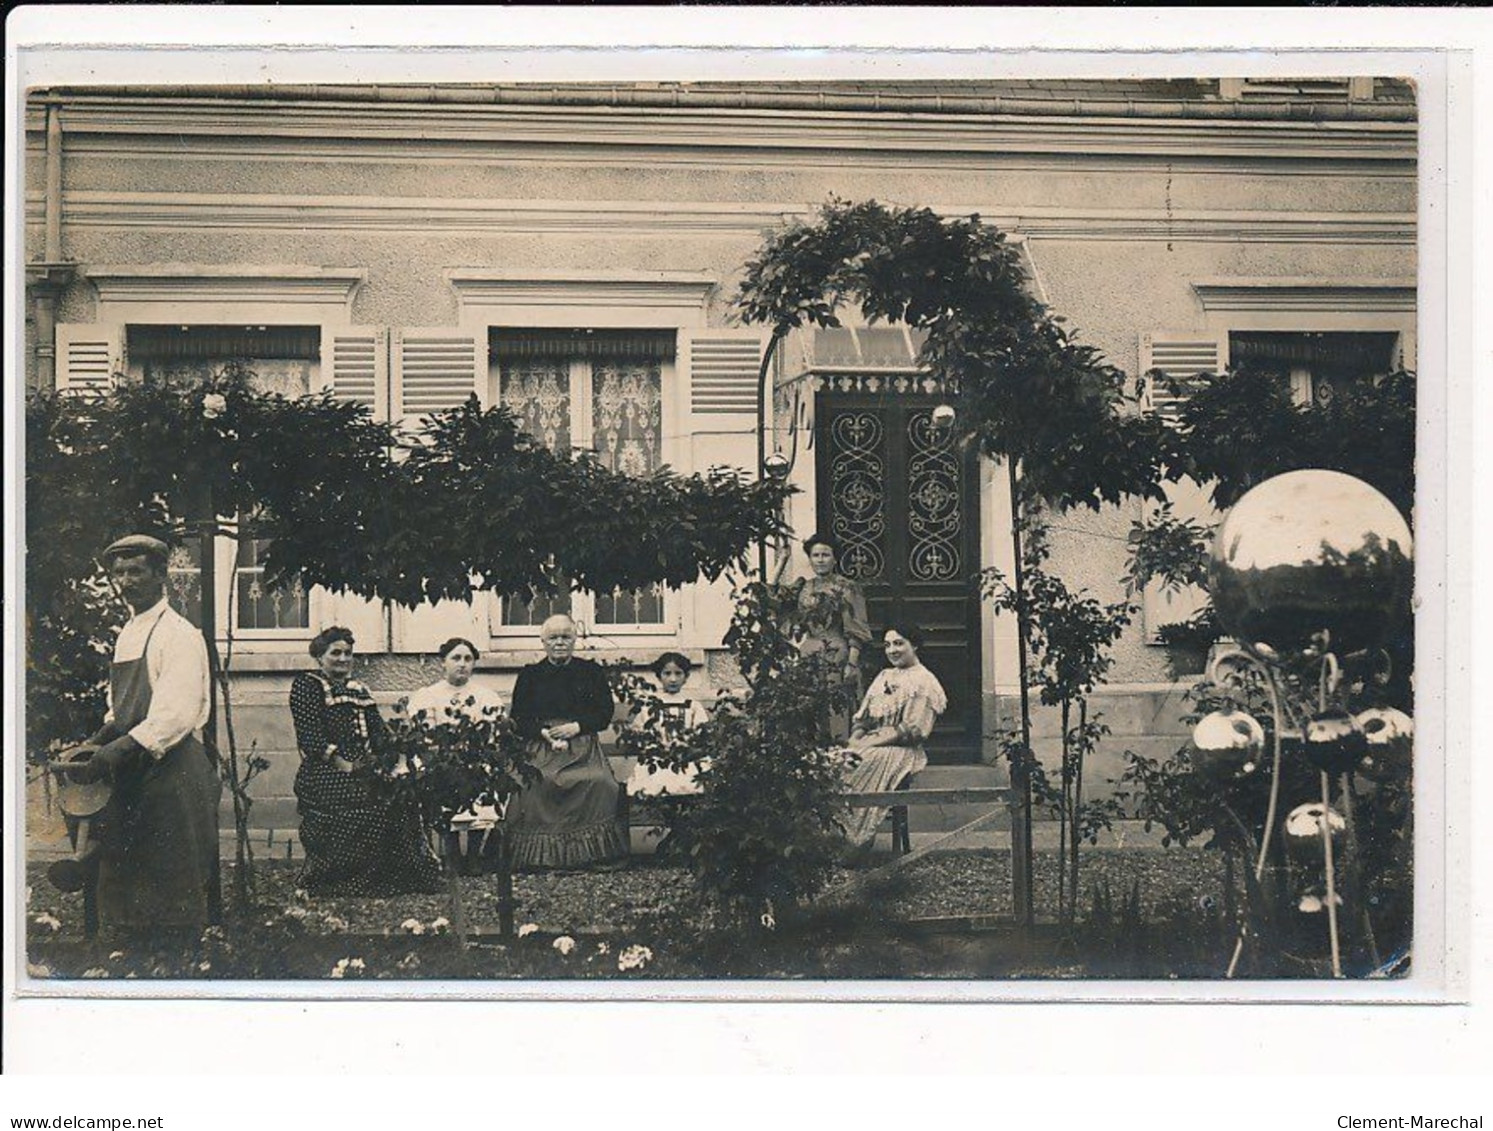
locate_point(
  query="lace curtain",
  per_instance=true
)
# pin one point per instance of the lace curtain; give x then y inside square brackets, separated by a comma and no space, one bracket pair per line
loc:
[627,416]
[626,435]
[538,394]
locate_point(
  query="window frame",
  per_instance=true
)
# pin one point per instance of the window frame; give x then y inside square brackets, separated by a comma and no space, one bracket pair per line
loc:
[583,437]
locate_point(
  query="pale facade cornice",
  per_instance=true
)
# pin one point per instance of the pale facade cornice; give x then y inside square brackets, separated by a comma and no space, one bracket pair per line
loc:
[1333,296]
[192,292]
[175,211]
[1091,133]
[488,296]
[561,154]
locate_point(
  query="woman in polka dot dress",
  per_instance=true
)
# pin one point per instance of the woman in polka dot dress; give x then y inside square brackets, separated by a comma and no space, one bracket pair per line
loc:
[356,842]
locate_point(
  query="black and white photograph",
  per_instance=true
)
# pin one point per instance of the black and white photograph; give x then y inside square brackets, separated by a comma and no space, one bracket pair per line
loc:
[807,529]
[556,529]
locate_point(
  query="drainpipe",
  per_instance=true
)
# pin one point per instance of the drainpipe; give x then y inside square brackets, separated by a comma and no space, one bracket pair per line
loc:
[48,277]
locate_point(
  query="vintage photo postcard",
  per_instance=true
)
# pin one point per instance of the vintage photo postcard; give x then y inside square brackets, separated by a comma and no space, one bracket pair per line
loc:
[952,533]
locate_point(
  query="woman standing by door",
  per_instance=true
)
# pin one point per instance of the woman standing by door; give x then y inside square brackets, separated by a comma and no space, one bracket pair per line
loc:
[832,617]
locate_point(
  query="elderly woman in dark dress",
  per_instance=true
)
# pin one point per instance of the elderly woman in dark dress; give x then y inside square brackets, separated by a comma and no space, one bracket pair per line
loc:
[356,842]
[570,818]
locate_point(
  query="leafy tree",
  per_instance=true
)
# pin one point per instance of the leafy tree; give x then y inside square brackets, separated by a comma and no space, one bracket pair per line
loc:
[1071,635]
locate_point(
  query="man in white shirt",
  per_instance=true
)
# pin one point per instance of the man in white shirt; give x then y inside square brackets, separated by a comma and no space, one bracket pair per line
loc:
[159,843]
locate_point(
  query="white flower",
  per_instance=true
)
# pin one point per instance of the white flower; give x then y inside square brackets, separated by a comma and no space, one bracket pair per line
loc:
[564,944]
[38,970]
[603,948]
[357,964]
[115,955]
[528,929]
[340,969]
[204,967]
[48,920]
[634,958]
[214,405]
[768,921]
[96,972]
[413,926]
[439,925]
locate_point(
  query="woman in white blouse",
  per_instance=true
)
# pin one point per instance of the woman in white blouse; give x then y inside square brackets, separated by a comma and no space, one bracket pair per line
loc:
[441,703]
[887,733]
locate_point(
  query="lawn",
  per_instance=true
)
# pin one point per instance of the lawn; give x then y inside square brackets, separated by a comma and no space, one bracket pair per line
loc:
[1144,913]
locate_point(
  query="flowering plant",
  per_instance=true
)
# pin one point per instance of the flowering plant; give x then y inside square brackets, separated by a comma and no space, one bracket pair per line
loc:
[453,759]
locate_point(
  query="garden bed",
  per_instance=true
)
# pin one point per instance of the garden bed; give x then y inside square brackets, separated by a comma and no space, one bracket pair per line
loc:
[931,919]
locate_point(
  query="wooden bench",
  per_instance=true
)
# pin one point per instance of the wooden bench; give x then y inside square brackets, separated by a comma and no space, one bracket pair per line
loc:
[905,795]
[897,800]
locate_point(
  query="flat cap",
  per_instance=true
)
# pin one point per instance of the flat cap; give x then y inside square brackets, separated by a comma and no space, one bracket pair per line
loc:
[133,544]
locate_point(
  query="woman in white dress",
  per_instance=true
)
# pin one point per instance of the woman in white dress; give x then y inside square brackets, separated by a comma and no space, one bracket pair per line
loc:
[887,733]
[673,713]
[441,703]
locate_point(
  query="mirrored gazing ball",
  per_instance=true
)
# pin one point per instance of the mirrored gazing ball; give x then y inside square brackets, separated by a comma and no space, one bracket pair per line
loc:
[1227,744]
[1307,552]
[1304,827]
[1334,741]
[1315,902]
[1389,737]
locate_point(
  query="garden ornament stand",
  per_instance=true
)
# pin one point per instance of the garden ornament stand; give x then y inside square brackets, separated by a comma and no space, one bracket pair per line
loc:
[1309,572]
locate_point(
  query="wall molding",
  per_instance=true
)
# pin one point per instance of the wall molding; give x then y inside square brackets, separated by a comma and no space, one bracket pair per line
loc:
[489,296]
[1293,295]
[197,292]
[557,153]
[227,211]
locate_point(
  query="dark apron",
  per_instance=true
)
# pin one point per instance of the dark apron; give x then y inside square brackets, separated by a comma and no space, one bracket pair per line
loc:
[161,835]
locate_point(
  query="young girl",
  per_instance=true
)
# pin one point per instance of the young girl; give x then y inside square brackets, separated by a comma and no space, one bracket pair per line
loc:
[674,713]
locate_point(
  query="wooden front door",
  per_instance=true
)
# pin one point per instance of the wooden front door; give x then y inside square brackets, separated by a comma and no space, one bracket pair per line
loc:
[903,503]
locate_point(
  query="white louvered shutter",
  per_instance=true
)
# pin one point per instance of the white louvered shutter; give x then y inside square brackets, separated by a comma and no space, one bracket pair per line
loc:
[720,367]
[723,366]
[1181,354]
[435,369]
[88,356]
[355,365]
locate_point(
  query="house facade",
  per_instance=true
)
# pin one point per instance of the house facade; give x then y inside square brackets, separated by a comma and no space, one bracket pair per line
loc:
[572,250]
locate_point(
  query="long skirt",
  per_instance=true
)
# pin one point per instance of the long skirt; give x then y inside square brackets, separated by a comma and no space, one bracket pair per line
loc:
[570,817]
[357,843]
[880,768]
[158,842]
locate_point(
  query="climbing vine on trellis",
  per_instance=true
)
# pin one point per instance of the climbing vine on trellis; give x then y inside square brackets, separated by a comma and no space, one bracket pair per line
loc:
[1068,426]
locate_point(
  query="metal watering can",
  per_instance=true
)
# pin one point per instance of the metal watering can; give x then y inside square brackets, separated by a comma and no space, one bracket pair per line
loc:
[81,803]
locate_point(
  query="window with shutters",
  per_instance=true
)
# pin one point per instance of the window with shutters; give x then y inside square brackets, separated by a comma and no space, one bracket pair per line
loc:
[601,391]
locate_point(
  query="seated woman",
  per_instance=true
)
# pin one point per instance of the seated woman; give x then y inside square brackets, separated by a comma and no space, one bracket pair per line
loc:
[441,703]
[570,818]
[356,842]
[895,719]
[674,713]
